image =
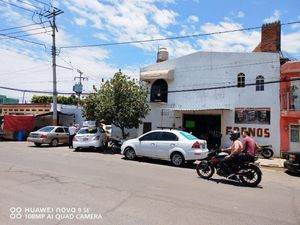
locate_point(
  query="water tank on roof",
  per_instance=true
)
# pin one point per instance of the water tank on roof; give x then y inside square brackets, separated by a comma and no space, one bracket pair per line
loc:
[162,55]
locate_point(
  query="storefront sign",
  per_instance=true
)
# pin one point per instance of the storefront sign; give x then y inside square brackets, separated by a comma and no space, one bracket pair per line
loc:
[254,132]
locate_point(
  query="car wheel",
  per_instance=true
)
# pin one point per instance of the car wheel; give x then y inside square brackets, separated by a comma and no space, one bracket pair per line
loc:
[129,153]
[54,143]
[177,159]
[37,144]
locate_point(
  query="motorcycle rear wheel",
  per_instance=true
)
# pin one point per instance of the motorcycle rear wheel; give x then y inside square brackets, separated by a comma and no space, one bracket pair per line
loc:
[251,176]
[205,170]
[267,153]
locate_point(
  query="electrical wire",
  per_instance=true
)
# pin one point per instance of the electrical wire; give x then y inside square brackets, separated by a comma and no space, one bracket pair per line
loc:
[172,38]
[169,91]
[46,4]
[22,31]
[27,3]
[28,25]
[24,35]
[12,4]
[21,39]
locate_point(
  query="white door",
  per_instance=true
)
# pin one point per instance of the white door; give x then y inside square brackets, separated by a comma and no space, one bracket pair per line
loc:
[167,142]
[295,138]
[147,145]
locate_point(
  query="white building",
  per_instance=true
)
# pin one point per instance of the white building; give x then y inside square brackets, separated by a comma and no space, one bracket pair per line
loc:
[210,93]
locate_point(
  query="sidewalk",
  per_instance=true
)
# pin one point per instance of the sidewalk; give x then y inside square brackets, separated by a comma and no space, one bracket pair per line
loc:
[273,162]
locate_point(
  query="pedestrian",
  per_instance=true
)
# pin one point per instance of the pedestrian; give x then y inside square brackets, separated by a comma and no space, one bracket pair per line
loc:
[250,146]
[72,132]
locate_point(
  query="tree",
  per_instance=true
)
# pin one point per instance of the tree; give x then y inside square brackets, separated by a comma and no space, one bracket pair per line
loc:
[60,99]
[120,101]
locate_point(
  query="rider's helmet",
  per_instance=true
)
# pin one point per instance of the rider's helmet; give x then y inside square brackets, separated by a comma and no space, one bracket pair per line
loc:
[234,135]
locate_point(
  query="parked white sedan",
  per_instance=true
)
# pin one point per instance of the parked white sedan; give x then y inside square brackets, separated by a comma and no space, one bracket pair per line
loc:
[89,137]
[174,145]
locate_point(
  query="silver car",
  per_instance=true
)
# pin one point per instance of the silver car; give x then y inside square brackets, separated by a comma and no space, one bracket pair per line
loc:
[89,137]
[51,135]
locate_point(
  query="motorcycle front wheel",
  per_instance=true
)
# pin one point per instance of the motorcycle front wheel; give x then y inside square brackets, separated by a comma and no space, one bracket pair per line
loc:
[205,170]
[251,175]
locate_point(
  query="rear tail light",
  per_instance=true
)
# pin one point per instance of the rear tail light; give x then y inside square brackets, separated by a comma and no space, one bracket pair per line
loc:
[196,145]
[43,136]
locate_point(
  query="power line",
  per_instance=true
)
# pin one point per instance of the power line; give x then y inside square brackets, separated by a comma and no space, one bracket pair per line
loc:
[22,31]
[46,4]
[170,91]
[172,38]
[28,25]
[27,3]
[12,4]
[24,35]
[36,91]
[232,86]
[21,39]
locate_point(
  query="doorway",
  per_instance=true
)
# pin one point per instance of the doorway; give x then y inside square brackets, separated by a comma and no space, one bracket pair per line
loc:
[207,127]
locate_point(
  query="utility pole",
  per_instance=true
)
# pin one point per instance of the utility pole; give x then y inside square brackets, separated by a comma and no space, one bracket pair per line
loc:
[78,86]
[52,15]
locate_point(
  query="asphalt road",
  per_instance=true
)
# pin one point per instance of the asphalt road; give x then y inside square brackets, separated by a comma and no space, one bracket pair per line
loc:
[59,186]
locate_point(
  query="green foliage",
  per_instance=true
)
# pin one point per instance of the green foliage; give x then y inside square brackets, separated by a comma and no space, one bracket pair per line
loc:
[120,101]
[60,99]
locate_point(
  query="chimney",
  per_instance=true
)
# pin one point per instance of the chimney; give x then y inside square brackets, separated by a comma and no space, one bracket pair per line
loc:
[162,55]
[270,38]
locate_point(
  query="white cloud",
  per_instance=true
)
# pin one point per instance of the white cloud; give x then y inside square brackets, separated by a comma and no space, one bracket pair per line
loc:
[126,20]
[164,17]
[80,21]
[228,42]
[291,42]
[193,19]
[275,17]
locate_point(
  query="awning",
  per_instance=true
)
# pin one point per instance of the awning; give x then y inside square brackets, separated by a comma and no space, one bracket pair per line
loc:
[157,74]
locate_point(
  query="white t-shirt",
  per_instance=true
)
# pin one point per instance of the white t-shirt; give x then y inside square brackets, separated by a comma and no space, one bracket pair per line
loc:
[72,130]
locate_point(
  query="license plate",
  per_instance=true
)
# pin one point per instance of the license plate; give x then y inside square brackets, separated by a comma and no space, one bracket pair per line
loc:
[85,139]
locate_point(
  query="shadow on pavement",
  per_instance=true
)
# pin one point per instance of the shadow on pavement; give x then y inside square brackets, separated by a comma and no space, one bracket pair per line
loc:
[292,174]
[161,162]
[236,183]
[107,151]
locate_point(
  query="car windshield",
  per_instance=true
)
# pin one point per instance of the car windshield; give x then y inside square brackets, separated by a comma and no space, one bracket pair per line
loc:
[90,130]
[188,135]
[46,129]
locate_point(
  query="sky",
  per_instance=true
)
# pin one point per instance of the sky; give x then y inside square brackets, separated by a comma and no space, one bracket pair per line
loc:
[26,41]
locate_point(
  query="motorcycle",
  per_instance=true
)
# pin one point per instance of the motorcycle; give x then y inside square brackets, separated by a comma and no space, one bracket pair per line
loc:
[116,145]
[244,169]
[265,151]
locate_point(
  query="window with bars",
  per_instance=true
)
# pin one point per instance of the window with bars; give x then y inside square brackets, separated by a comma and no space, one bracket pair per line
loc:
[241,80]
[260,83]
[159,91]
[295,133]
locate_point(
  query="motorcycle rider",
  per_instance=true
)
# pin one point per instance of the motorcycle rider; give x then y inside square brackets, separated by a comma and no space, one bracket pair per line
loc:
[234,150]
[250,146]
